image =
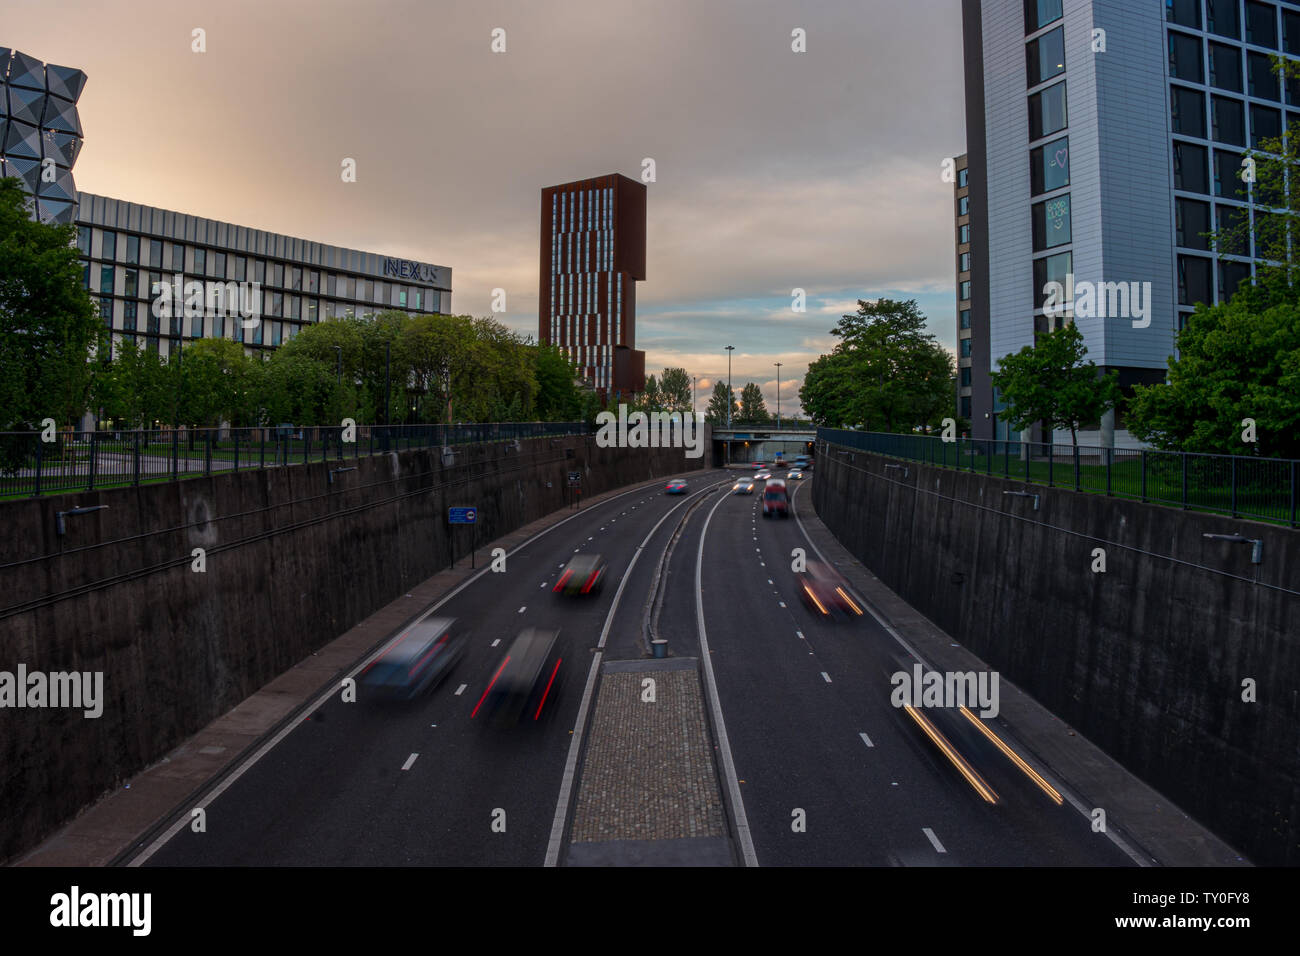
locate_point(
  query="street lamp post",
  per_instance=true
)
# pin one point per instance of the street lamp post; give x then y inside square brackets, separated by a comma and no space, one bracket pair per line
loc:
[778,394]
[730,349]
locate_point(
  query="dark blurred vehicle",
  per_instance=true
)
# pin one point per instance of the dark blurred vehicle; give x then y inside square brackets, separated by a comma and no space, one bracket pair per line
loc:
[524,680]
[416,661]
[744,486]
[763,475]
[825,592]
[795,474]
[676,487]
[776,499]
[584,574]
[803,463]
[758,464]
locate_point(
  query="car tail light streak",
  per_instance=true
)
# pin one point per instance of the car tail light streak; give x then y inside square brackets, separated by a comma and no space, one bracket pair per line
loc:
[488,690]
[849,601]
[542,703]
[809,591]
[564,578]
[591,582]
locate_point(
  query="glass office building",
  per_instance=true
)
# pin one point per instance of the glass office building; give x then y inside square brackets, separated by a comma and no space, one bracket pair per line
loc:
[1105,139]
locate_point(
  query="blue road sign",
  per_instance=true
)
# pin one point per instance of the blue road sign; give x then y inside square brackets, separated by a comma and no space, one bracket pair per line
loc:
[462,515]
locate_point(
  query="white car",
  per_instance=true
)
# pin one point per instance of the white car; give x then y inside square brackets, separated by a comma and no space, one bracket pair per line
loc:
[763,475]
[795,474]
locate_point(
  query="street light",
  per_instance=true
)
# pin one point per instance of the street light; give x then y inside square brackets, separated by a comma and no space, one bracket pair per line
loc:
[778,394]
[730,349]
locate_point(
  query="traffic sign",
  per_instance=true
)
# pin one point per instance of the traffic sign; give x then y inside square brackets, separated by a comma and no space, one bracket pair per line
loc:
[575,478]
[462,515]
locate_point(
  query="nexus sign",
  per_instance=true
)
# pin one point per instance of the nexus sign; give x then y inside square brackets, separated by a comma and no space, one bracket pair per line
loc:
[406,269]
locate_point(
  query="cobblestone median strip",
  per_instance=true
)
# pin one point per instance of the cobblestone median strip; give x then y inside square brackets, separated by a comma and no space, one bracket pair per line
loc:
[649,772]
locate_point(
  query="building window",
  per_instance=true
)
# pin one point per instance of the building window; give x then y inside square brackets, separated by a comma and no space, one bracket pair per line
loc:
[1265,124]
[965,376]
[1221,17]
[313,281]
[241,269]
[106,279]
[133,250]
[129,311]
[196,326]
[1191,168]
[259,271]
[237,330]
[1193,280]
[963,262]
[131,287]
[965,407]
[257,333]
[963,233]
[1261,24]
[1225,67]
[83,240]
[275,332]
[178,257]
[219,265]
[964,293]
[277,303]
[200,261]
[1185,13]
[277,275]
[1192,219]
[1227,175]
[295,279]
[109,247]
[1046,56]
[1262,77]
[291,307]
[965,348]
[1053,269]
[1188,109]
[964,319]
[1231,275]
[1185,57]
[331,283]
[1291,31]
[155,253]
[1047,113]
[1051,221]
[1233,240]
[219,326]
[401,298]
[963,206]
[963,178]
[1049,166]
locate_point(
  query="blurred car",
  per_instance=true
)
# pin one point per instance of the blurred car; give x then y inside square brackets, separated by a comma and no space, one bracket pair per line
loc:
[763,475]
[758,465]
[524,680]
[415,661]
[776,499]
[744,486]
[584,574]
[676,487]
[825,592]
[795,474]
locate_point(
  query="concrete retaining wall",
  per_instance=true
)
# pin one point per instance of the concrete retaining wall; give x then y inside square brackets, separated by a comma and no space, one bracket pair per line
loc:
[1146,659]
[291,562]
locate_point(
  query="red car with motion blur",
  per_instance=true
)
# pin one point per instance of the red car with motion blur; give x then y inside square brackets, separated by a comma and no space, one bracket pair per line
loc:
[826,593]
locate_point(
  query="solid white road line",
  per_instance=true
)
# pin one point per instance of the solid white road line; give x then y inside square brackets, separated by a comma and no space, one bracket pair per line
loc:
[461,689]
[826,677]
[934,840]
[575,741]
[711,688]
[866,740]
[409,760]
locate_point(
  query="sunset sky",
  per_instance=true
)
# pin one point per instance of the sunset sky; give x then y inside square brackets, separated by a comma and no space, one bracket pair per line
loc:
[774,169]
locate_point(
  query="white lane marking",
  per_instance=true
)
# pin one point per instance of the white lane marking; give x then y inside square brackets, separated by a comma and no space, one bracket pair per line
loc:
[522,609]
[711,687]
[826,677]
[588,539]
[769,581]
[782,603]
[866,740]
[461,689]
[1114,838]
[800,634]
[330,691]
[934,840]
[409,760]
[542,585]
[575,741]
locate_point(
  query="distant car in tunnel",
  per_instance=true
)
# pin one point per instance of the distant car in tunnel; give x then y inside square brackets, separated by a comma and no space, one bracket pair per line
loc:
[415,661]
[676,487]
[824,592]
[524,680]
[584,574]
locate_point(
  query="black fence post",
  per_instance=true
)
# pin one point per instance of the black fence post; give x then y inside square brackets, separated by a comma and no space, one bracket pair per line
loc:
[207,453]
[1293,501]
[1184,455]
[235,432]
[1051,464]
[1077,485]
[1110,458]
[135,461]
[94,460]
[176,451]
[1232,468]
[1144,475]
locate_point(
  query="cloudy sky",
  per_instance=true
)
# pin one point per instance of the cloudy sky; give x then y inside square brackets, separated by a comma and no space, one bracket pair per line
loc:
[774,169]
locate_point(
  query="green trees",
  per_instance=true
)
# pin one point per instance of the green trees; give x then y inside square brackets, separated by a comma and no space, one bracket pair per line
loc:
[720,401]
[675,390]
[753,410]
[886,374]
[48,323]
[1050,382]
[1236,361]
